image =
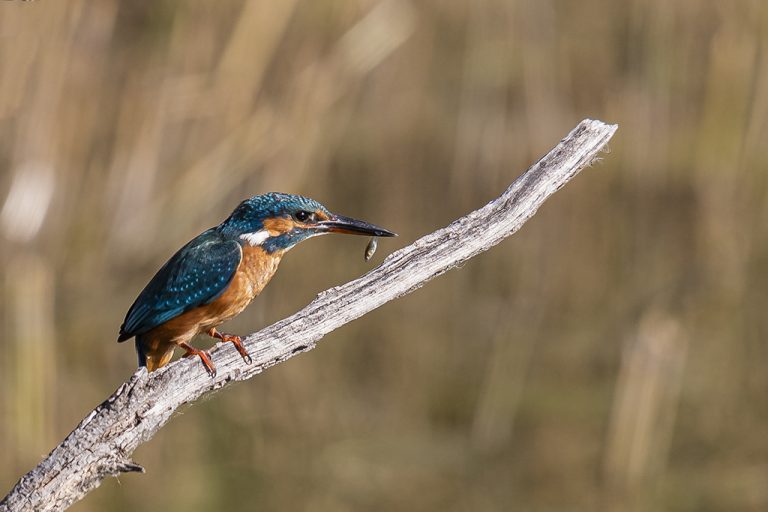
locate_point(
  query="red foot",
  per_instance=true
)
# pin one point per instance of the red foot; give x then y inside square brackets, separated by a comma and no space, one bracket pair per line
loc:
[203,355]
[237,341]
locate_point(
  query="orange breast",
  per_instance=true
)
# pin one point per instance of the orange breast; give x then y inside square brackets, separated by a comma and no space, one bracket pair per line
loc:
[252,275]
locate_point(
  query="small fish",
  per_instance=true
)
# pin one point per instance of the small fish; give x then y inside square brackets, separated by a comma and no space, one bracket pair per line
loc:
[370,249]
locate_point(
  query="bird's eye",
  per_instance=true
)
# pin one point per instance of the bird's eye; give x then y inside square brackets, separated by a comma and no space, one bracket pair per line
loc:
[304,216]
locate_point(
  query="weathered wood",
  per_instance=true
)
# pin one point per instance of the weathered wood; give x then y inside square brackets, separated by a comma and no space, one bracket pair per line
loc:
[103,442]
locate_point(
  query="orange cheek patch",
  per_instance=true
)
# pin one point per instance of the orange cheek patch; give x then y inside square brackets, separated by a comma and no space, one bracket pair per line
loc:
[321,215]
[279,225]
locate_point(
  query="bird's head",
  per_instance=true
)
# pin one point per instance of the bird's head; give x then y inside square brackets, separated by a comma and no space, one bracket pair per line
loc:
[277,222]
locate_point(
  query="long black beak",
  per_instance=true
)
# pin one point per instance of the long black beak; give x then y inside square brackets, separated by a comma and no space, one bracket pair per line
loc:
[340,224]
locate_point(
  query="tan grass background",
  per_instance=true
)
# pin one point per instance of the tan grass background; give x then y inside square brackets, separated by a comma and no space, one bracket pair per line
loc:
[611,356]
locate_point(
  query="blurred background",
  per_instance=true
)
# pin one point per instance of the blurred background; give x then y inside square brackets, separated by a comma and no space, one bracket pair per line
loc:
[610,356]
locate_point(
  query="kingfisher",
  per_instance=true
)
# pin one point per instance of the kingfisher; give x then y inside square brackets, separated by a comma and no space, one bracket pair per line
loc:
[218,273]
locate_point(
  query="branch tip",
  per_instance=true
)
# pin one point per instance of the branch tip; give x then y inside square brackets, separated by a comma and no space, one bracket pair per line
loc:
[128,466]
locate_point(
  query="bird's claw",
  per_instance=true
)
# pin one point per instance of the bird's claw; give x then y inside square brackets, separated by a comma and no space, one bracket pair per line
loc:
[237,341]
[204,356]
[234,339]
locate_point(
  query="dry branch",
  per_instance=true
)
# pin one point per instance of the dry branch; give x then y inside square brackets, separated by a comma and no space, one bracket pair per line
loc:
[103,442]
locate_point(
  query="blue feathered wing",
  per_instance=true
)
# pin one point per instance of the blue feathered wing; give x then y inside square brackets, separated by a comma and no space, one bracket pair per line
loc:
[196,275]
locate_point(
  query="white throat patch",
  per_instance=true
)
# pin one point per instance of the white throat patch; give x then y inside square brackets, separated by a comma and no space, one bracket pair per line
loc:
[255,239]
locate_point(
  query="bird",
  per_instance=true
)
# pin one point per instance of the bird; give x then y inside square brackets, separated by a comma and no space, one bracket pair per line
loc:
[219,272]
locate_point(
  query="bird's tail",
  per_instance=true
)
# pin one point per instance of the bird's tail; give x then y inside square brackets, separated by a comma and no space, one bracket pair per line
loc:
[153,355]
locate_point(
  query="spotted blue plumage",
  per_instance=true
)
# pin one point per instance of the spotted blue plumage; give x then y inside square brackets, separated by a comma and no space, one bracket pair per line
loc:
[196,275]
